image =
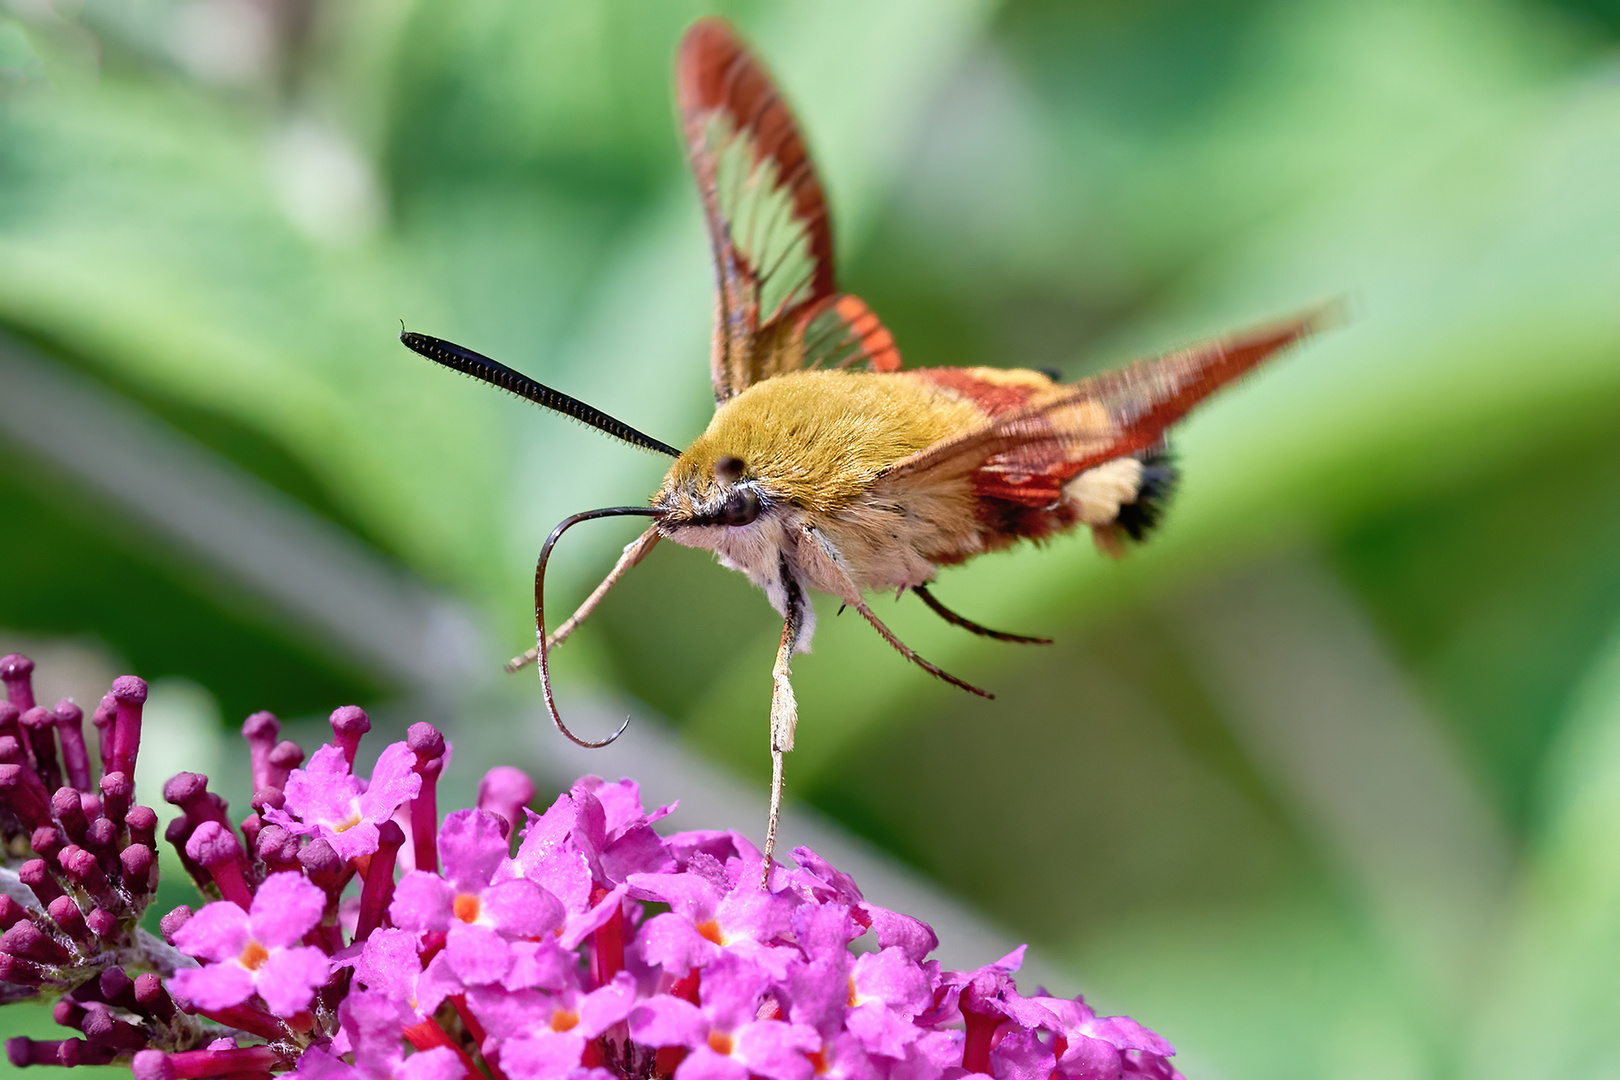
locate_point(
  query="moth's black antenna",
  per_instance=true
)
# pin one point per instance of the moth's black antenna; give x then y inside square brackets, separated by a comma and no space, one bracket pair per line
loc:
[540,611]
[499,375]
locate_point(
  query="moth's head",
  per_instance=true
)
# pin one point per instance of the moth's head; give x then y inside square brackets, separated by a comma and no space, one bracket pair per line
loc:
[709,487]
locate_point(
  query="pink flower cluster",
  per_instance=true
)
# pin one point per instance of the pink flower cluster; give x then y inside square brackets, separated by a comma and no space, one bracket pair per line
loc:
[353,935]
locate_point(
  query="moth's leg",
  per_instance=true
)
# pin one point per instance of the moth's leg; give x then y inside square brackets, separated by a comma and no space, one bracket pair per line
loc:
[968,624]
[851,595]
[784,708]
[634,552]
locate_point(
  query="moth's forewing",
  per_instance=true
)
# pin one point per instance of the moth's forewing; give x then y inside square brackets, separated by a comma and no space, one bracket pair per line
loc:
[764,206]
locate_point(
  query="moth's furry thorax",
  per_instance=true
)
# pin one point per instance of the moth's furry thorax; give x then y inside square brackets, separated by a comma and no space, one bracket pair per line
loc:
[814,440]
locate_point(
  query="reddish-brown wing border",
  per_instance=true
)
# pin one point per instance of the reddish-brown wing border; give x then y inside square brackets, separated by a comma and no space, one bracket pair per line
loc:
[716,77]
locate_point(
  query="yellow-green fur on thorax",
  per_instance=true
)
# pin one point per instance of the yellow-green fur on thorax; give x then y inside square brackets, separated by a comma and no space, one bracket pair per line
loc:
[818,438]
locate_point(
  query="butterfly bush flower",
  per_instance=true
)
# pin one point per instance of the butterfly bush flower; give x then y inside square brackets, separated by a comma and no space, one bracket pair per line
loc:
[346,933]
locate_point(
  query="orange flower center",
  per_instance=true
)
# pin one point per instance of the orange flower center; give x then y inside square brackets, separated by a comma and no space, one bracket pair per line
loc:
[711,930]
[564,1019]
[467,907]
[254,956]
[854,997]
[818,1061]
[720,1042]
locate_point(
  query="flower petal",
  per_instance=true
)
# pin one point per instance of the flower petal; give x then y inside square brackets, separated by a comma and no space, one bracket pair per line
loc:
[220,931]
[288,979]
[422,901]
[544,1055]
[472,844]
[217,986]
[286,907]
[663,1020]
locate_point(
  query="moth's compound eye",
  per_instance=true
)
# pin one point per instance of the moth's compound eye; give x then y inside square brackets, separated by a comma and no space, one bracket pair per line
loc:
[729,469]
[740,508]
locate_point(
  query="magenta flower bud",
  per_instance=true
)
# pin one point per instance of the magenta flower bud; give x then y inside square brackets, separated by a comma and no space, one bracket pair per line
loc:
[105,721]
[46,841]
[349,723]
[40,727]
[10,720]
[70,730]
[427,743]
[83,869]
[64,912]
[284,758]
[68,1013]
[215,848]
[11,749]
[277,849]
[378,890]
[29,941]
[36,874]
[17,672]
[71,1052]
[141,821]
[10,912]
[117,792]
[102,923]
[329,872]
[22,1052]
[194,1064]
[101,840]
[138,869]
[102,1029]
[177,832]
[171,923]
[260,731]
[152,998]
[189,791]
[19,970]
[22,791]
[118,989]
[505,791]
[129,694]
[65,804]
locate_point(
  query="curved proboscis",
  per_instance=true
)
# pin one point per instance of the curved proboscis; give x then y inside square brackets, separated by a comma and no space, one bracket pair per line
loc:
[540,613]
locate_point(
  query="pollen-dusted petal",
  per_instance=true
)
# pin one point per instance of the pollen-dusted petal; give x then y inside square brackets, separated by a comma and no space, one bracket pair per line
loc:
[890,977]
[881,1030]
[394,781]
[607,1005]
[541,965]
[472,844]
[478,954]
[1020,1055]
[214,986]
[438,1063]
[543,1055]
[290,977]
[732,987]
[1088,1059]
[520,908]
[663,1020]
[220,931]
[776,1050]
[673,943]
[390,963]
[286,907]
[704,1064]
[422,901]
[507,1014]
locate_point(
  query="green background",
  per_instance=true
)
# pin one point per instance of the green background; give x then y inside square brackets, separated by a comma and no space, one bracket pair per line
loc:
[1323,782]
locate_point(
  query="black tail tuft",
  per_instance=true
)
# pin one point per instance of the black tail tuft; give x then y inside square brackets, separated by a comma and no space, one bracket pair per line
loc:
[1159,479]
